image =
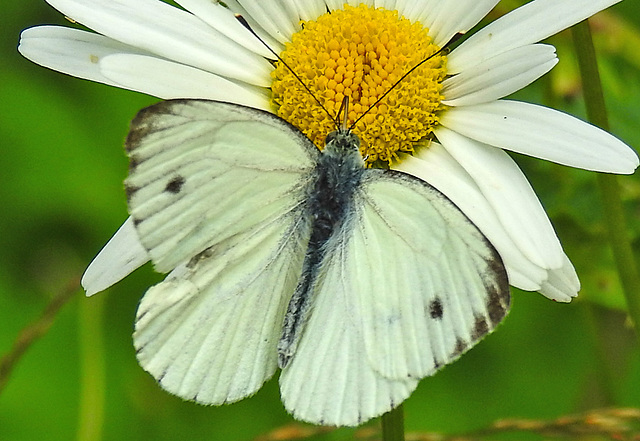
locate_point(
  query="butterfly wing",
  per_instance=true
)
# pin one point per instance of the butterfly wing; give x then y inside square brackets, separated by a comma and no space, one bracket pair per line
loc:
[407,285]
[203,171]
[217,192]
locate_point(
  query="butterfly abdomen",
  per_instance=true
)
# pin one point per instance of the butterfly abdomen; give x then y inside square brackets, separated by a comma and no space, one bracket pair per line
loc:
[338,175]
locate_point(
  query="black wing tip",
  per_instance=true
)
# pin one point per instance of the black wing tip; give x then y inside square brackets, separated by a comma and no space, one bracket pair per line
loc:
[497,307]
[134,161]
[499,299]
[144,121]
[130,191]
[480,328]
[461,347]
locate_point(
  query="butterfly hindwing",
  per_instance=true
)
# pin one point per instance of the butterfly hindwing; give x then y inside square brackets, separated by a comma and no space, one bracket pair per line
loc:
[408,283]
[223,209]
[209,332]
[330,380]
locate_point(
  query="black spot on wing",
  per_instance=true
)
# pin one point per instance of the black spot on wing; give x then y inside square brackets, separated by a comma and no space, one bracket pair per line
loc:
[435,309]
[175,185]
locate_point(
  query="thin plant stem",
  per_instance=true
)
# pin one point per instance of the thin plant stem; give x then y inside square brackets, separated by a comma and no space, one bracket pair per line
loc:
[393,425]
[608,183]
[34,331]
[92,369]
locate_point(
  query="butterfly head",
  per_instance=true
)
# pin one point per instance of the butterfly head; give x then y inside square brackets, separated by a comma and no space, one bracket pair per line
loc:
[342,141]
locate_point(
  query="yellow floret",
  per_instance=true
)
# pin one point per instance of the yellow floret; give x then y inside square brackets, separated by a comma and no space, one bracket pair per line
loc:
[361,52]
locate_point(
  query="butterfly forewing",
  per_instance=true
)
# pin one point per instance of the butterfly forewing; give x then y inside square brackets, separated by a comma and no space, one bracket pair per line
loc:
[203,171]
[444,288]
[217,195]
[407,285]
[209,332]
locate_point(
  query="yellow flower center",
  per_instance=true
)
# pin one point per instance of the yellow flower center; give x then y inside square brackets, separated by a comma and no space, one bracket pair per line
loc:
[361,52]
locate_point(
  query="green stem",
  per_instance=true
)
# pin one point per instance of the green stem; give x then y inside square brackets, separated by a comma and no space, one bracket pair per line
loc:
[609,186]
[393,425]
[34,331]
[92,370]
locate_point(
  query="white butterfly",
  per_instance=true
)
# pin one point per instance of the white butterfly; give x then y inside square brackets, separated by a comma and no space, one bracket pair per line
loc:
[356,282]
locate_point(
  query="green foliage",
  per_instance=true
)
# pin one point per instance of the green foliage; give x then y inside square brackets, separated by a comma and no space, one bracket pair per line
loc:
[62,167]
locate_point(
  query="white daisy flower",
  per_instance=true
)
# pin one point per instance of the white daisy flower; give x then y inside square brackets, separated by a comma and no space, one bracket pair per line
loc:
[454,101]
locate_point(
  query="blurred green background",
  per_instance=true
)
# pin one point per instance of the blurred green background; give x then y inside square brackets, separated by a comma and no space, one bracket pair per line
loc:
[61,172]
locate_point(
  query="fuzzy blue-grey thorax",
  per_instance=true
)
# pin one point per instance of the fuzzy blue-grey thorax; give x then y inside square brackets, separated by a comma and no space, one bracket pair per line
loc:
[338,174]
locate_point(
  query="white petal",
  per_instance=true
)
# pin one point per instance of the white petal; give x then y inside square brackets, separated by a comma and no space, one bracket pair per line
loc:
[445,18]
[510,195]
[309,9]
[120,257]
[334,4]
[339,4]
[414,10]
[223,20]
[236,8]
[437,167]
[543,133]
[386,4]
[71,51]
[499,76]
[405,7]
[169,32]
[166,79]
[274,16]
[355,3]
[562,284]
[528,24]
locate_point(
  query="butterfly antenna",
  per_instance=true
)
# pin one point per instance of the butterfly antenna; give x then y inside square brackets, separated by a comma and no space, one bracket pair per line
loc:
[344,107]
[406,74]
[244,23]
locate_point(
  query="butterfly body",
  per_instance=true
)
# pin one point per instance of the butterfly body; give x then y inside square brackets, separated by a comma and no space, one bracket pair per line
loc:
[356,282]
[338,174]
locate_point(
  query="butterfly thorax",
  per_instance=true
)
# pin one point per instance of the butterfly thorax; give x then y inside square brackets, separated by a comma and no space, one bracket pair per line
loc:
[339,172]
[338,175]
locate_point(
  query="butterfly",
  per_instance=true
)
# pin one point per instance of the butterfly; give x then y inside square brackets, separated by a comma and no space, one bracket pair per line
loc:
[356,282]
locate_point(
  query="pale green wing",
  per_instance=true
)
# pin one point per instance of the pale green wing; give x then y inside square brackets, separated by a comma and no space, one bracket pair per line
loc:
[330,379]
[203,171]
[428,283]
[407,285]
[209,332]
[217,192]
